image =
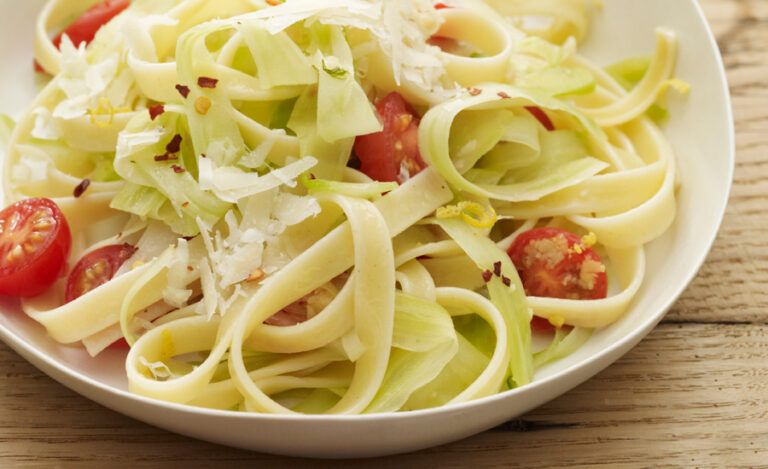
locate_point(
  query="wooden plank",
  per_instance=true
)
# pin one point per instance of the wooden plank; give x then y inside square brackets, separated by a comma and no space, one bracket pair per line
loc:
[692,395]
[733,284]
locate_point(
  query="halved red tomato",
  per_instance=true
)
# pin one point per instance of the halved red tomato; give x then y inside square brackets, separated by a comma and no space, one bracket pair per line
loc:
[96,268]
[84,28]
[555,263]
[34,246]
[392,154]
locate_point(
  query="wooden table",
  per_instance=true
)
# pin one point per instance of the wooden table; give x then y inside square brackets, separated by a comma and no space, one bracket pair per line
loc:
[693,394]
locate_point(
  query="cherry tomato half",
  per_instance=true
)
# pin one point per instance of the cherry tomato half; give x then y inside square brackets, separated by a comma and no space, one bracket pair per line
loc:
[392,154]
[293,314]
[84,28]
[96,268]
[34,246]
[555,263]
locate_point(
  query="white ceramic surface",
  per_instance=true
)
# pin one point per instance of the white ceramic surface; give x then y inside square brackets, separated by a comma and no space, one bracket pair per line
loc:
[701,131]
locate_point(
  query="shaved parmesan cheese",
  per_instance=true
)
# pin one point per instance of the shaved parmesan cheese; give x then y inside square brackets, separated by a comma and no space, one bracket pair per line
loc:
[401,28]
[231,184]
[293,209]
[45,127]
[158,370]
[180,275]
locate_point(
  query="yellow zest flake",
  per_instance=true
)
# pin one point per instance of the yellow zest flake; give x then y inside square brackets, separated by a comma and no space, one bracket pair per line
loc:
[105,108]
[167,347]
[557,321]
[257,275]
[676,84]
[589,239]
[473,214]
[202,105]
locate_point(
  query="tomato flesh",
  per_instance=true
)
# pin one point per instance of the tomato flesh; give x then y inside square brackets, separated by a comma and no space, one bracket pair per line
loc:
[96,268]
[392,154]
[34,245]
[85,27]
[555,263]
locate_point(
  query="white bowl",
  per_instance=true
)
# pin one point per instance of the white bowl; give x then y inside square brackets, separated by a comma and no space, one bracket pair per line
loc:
[701,130]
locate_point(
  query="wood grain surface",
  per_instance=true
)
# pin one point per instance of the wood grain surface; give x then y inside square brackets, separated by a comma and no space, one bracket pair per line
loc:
[693,394]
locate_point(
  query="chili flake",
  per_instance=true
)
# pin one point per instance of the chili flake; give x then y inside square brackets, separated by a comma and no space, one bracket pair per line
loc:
[183,90]
[202,105]
[506,281]
[155,111]
[475,91]
[177,169]
[497,268]
[81,188]
[207,82]
[504,95]
[487,276]
[174,146]
[166,157]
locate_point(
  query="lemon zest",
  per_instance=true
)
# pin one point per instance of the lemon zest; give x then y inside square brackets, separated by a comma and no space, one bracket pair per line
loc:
[105,108]
[557,321]
[473,214]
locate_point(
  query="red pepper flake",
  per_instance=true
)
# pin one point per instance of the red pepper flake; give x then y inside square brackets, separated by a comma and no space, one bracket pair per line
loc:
[207,82]
[185,205]
[487,276]
[183,90]
[504,95]
[312,177]
[174,146]
[506,281]
[177,169]
[274,3]
[81,188]
[190,268]
[542,117]
[156,110]
[166,157]
[497,268]
[441,6]
[475,91]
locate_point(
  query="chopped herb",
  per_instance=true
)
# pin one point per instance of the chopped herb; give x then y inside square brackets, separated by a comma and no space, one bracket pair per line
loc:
[81,188]
[183,90]
[337,72]
[156,110]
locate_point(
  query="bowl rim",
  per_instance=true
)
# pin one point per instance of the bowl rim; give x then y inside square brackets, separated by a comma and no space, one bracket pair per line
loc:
[639,332]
